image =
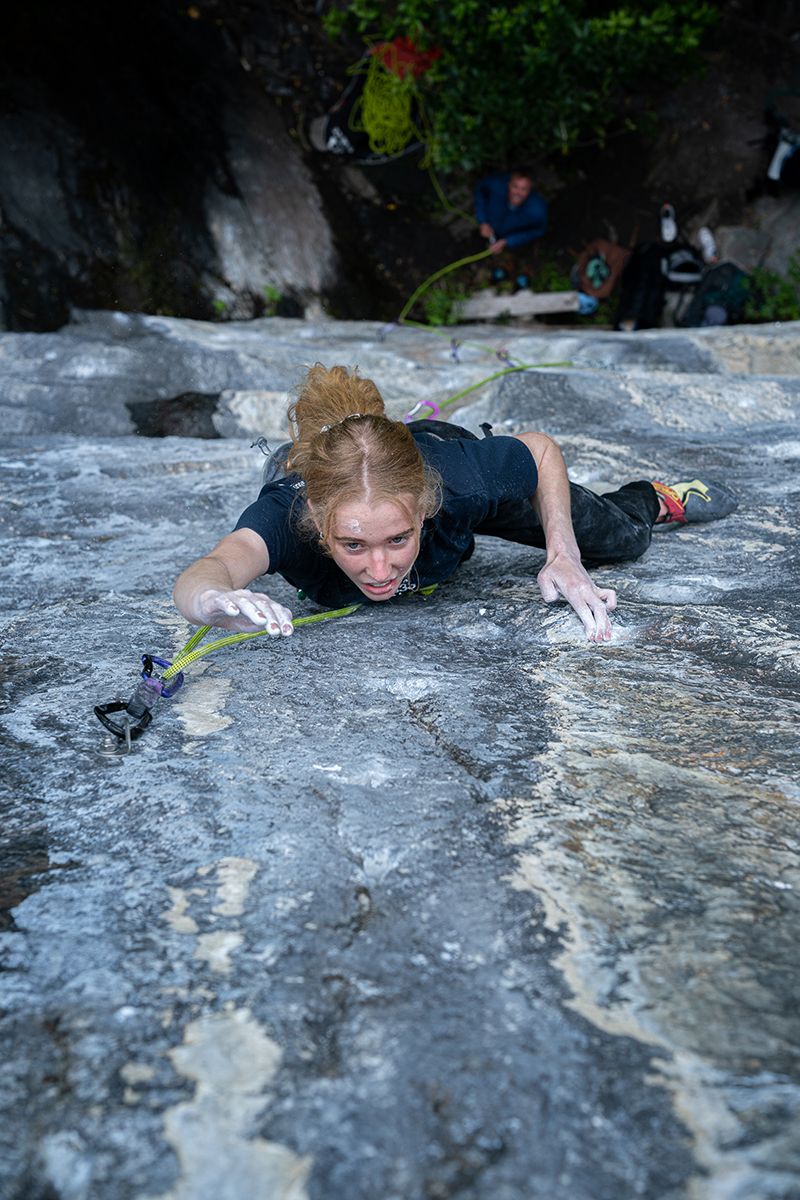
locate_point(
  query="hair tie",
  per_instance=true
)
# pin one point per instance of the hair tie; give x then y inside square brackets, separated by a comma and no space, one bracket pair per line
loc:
[349,417]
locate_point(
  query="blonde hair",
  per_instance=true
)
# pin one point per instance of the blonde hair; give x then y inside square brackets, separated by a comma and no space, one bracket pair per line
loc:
[347,449]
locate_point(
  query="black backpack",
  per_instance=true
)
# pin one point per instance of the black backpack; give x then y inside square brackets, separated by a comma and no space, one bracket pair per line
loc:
[719,298]
[682,266]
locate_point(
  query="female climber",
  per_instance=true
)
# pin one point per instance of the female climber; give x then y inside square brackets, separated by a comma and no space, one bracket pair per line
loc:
[358,505]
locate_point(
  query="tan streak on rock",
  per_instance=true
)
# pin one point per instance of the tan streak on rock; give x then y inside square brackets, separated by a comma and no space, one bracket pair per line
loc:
[234,877]
[176,916]
[231,1061]
[216,949]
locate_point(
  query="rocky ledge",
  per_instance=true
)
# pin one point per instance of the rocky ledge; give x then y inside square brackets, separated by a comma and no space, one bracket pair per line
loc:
[434,901]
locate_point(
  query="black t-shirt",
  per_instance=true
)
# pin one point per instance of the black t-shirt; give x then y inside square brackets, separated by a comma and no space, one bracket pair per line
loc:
[477,477]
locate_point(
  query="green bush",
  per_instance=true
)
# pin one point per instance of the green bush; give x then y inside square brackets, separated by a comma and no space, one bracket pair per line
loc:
[549,277]
[272,298]
[770,296]
[442,304]
[531,76]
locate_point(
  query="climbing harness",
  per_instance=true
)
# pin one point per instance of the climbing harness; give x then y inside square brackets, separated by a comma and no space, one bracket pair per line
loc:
[128,719]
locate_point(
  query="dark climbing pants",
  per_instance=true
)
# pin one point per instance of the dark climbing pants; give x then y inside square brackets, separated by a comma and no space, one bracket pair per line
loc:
[609,528]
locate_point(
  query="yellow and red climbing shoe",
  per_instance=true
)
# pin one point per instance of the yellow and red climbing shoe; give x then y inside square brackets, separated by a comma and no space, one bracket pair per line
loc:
[694,501]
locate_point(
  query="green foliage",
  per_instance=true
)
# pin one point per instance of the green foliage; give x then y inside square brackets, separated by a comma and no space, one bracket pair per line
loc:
[531,76]
[770,296]
[272,298]
[220,308]
[548,277]
[442,303]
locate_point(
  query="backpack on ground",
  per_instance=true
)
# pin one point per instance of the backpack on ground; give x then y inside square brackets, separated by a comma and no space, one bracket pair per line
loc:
[600,267]
[719,298]
[682,266]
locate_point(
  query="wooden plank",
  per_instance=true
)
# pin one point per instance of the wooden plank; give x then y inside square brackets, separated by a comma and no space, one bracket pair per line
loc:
[524,303]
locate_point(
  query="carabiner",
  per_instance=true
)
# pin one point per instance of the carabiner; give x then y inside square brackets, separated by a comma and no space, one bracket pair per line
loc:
[433,415]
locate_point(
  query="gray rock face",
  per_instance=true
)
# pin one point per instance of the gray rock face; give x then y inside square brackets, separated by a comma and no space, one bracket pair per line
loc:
[272,232]
[235,240]
[770,241]
[436,900]
[100,374]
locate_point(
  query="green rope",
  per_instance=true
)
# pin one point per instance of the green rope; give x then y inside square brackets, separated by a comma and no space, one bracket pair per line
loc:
[497,375]
[192,651]
[189,654]
[426,283]
[383,110]
[567,362]
[445,203]
[403,319]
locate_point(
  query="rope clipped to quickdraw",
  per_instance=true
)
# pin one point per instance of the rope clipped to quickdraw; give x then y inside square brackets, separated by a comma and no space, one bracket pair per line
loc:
[128,719]
[456,343]
[436,408]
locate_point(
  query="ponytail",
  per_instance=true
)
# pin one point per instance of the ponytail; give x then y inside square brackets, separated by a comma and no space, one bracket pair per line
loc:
[346,449]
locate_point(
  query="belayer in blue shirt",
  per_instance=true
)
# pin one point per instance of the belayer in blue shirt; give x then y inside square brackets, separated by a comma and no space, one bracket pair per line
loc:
[510,213]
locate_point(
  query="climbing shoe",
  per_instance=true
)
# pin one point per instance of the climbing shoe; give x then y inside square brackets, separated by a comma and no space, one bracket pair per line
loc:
[499,274]
[695,501]
[522,282]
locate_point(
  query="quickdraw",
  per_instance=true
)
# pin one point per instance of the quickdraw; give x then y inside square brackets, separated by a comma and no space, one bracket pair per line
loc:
[455,345]
[432,415]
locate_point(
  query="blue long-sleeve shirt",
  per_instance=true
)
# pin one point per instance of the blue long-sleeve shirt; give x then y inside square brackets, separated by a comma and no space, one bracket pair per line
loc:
[518,225]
